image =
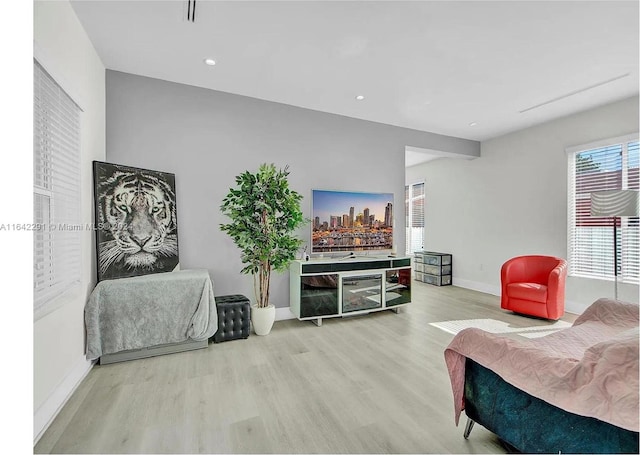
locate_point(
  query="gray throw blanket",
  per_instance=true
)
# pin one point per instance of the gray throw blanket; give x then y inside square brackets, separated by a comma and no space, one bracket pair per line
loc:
[150,310]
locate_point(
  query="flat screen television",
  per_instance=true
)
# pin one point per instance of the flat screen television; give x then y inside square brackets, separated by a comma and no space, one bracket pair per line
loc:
[350,221]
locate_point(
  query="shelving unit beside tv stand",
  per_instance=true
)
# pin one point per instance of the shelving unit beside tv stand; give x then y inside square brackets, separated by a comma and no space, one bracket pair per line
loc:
[335,287]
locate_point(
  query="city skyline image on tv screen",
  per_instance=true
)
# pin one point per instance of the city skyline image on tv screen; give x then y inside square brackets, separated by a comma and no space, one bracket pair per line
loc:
[351,221]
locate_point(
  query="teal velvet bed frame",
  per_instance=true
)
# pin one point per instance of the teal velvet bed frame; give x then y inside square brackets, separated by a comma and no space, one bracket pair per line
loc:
[531,425]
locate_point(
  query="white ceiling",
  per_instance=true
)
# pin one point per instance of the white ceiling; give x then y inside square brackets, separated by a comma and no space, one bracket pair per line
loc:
[427,65]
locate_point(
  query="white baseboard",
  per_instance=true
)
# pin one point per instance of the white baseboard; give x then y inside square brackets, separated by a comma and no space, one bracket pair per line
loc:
[477,286]
[569,306]
[45,414]
[574,307]
[284,313]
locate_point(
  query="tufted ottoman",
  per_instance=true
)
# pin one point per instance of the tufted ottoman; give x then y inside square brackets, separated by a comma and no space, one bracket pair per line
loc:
[234,317]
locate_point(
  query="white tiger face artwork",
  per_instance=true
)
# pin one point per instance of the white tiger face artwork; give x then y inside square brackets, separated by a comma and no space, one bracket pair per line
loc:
[137,223]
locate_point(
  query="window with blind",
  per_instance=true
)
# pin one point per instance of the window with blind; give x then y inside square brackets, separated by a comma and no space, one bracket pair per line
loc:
[611,165]
[56,190]
[414,217]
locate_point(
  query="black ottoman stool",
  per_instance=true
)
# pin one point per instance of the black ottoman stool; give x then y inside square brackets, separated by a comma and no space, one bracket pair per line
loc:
[234,317]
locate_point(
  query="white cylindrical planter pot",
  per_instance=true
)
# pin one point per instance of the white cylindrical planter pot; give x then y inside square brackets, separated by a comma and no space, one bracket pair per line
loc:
[262,319]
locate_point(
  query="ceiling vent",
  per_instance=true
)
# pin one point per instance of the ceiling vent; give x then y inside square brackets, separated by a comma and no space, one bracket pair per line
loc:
[575,92]
[190,10]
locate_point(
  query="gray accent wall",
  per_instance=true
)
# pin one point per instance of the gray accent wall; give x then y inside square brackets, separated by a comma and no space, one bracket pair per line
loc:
[207,137]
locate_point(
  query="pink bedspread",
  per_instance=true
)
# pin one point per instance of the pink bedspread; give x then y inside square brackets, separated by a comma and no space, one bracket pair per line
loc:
[589,369]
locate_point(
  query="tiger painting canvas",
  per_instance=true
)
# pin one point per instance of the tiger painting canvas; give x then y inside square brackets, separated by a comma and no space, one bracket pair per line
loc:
[136,221]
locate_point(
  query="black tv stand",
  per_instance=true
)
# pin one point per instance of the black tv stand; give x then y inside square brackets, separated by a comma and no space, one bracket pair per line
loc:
[326,288]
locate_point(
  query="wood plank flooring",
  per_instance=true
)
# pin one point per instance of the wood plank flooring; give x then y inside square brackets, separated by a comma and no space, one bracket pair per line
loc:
[375,383]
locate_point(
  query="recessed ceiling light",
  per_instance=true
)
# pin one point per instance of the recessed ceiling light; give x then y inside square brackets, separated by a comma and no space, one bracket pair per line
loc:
[473,124]
[360,97]
[209,61]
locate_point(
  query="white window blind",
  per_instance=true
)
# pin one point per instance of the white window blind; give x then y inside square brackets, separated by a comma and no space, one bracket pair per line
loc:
[611,166]
[56,189]
[414,217]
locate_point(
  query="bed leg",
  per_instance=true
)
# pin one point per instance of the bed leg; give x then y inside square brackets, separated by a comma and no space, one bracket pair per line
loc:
[468,427]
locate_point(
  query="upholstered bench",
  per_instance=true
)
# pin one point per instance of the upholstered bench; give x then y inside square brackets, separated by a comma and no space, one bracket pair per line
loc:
[234,317]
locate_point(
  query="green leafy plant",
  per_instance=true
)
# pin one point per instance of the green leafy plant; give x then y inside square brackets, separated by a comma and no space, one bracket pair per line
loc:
[264,213]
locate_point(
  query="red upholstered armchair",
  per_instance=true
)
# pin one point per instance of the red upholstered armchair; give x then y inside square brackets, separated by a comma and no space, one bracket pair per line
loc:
[534,285]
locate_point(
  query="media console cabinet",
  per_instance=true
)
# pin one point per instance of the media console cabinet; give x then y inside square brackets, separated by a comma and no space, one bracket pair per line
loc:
[327,288]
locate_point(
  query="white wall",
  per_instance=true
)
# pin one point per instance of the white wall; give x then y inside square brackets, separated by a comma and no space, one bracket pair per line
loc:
[513,200]
[63,48]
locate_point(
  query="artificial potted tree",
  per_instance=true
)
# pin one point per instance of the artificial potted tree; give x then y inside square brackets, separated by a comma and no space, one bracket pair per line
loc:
[264,214]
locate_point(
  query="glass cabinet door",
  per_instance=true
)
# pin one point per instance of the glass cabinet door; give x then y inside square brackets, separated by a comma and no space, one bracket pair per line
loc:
[318,295]
[397,287]
[361,292]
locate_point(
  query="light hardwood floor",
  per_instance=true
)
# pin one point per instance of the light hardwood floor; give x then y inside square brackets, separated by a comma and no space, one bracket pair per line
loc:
[375,383]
